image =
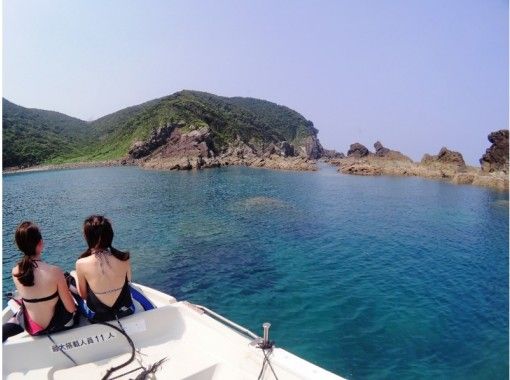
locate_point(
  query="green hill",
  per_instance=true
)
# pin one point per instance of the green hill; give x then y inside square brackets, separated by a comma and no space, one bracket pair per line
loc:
[31,136]
[35,136]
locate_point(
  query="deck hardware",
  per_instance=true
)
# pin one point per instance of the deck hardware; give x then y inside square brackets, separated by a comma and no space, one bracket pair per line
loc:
[266,326]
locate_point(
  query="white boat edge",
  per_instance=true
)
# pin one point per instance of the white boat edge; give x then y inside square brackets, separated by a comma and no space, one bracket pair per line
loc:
[196,343]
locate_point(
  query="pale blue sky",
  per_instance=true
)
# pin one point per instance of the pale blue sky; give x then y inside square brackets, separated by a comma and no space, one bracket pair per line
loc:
[416,75]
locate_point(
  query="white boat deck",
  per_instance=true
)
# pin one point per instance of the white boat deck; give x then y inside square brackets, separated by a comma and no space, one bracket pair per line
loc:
[194,345]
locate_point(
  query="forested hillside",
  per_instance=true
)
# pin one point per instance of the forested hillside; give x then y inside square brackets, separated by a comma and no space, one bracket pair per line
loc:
[35,136]
[31,136]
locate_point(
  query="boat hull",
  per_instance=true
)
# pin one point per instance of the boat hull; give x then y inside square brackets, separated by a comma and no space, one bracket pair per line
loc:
[192,344]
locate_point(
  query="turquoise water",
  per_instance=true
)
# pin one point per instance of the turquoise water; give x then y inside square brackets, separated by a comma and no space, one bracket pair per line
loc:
[369,277]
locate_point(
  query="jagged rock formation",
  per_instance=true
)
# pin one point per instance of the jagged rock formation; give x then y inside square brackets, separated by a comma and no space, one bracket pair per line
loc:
[445,157]
[380,150]
[157,138]
[357,150]
[195,149]
[446,165]
[496,157]
[183,151]
[243,131]
[389,154]
[360,161]
[311,148]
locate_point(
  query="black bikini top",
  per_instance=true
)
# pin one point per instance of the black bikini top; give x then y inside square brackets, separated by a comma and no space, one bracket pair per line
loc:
[122,305]
[35,300]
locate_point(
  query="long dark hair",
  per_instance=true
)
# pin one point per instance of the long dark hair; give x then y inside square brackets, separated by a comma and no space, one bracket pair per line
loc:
[98,233]
[27,238]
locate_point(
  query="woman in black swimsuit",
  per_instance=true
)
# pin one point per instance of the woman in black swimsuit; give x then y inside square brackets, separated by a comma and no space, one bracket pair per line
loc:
[103,274]
[47,305]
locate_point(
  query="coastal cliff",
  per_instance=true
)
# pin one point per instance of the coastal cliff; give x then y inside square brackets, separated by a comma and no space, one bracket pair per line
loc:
[446,165]
[196,149]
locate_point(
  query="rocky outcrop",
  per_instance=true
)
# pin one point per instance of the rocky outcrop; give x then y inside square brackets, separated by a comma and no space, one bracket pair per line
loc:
[389,154]
[360,161]
[184,151]
[194,149]
[380,150]
[446,165]
[496,157]
[310,148]
[357,150]
[329,154]
[158,137]
[286,149]
[444,157]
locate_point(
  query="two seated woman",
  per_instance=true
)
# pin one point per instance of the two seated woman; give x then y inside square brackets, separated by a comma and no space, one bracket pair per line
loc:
[102,282]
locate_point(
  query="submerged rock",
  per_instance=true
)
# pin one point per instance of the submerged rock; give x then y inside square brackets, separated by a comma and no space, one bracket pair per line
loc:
[263,201]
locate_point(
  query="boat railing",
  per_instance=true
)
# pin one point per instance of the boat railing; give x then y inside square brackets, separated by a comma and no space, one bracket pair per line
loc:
[228,322]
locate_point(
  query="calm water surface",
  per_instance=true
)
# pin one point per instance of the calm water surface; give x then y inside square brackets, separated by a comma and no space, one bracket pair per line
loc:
[371,278]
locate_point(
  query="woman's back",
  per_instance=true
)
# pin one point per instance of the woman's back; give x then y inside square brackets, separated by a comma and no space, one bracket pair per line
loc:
[46,298]
[41,298]
[104,275]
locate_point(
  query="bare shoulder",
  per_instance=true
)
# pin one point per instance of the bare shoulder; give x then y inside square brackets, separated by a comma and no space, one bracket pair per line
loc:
[55,269]
[83,263]
[125,263]
[84,260]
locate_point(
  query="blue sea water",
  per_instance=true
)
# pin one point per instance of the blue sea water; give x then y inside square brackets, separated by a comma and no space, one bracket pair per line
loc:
[369,277]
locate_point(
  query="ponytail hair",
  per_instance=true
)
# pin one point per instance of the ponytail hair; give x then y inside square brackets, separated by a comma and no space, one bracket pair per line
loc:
[27,238]
[98,233]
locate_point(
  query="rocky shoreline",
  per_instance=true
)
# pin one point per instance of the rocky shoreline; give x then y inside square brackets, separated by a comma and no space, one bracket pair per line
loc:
[172,148]
[446,165]
[73,165]
[276,163]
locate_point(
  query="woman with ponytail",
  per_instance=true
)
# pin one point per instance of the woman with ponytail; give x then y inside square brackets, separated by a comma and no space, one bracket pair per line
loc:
[46,302]
[103,274]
